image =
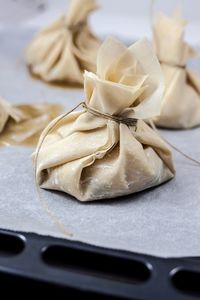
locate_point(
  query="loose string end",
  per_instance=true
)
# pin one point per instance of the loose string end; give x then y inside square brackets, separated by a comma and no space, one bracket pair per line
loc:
[43,201]
[197,162]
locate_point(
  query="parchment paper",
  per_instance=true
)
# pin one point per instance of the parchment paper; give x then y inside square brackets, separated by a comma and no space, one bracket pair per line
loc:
[163,221]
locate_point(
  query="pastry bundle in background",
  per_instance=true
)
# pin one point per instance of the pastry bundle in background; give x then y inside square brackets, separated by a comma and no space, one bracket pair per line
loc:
[181,105]
[23,124]
[89,154]
[63,50]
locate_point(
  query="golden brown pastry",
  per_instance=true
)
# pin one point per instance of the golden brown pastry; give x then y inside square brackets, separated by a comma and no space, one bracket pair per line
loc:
[99,152]
[63,50]
[181,105]
[23,124]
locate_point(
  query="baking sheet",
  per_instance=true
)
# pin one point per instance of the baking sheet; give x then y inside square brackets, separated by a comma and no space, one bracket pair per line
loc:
[163,221]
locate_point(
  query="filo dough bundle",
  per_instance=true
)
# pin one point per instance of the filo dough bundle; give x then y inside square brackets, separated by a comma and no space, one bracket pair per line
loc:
[63,50]
[181,105]
[89,154]
[23,124]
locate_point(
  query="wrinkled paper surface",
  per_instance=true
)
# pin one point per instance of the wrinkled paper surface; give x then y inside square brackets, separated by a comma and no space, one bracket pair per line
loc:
[163,221]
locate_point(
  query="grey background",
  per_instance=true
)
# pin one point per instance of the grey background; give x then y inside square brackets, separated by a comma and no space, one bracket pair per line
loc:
[130,19]
[133,8]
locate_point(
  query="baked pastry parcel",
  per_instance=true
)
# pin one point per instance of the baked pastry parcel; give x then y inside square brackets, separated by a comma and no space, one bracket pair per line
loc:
[23,124]
[63,50]
[181,105]
[107,150]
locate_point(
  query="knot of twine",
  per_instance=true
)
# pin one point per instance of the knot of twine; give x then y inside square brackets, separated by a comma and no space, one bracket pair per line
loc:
[173,65]
[117,119]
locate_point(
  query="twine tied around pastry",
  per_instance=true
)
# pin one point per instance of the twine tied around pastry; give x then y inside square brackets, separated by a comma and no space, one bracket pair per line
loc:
[118,119]
[76,28]
[172,65]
